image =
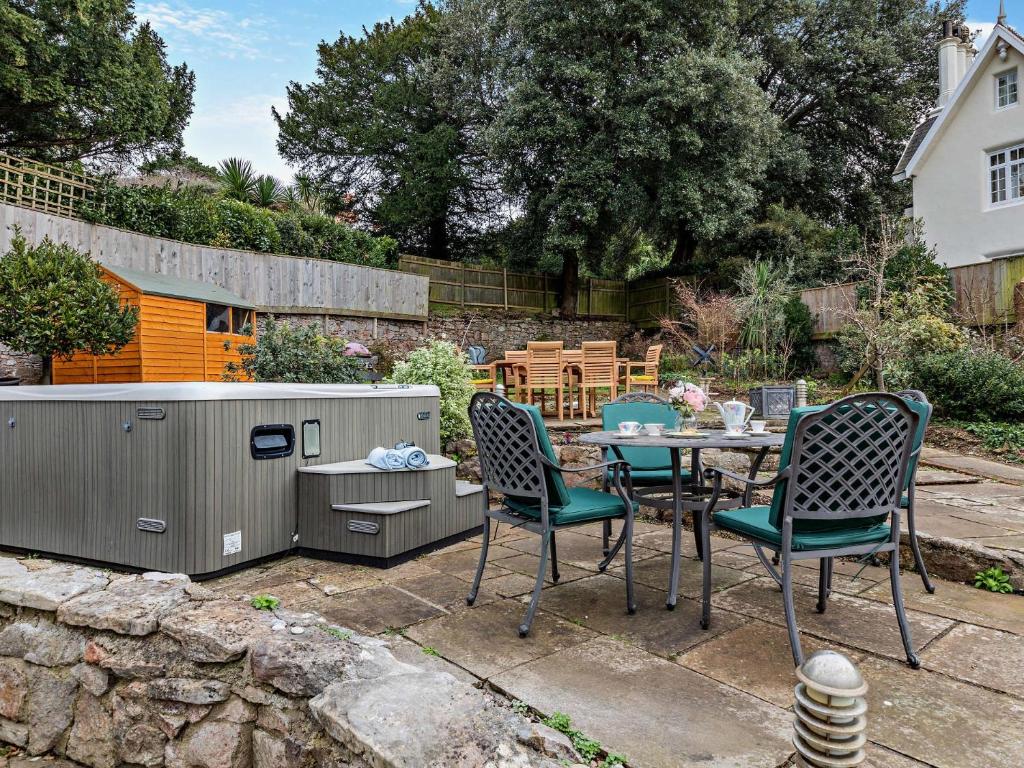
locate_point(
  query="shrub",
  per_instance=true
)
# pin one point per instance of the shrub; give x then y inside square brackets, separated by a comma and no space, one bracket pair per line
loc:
[54,303]
[442,364]
[247,227]
[188,214]
[799,329]
[969,385]
[320,237]
[295,354]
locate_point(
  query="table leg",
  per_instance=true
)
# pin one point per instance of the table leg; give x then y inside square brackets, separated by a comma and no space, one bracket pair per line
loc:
[697,473]
[677,527]
[755,466]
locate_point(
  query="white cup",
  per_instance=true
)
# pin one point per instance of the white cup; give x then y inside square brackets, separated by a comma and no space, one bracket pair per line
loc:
[757,426]
[629,427]
[654,430]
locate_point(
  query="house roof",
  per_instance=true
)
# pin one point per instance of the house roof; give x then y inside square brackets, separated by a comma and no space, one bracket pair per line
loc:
[154,284]
[925,133]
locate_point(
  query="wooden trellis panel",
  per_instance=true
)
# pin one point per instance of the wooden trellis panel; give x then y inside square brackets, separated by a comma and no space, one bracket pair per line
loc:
[43,187]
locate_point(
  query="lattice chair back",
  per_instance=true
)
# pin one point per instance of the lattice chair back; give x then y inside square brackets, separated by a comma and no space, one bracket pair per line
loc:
[544,364]
[918,401]
[848,461]
[506,441]
[652,360]
[599,366]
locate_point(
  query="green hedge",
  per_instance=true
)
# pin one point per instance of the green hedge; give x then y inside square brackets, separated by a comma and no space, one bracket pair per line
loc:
[968,385]
[196,216]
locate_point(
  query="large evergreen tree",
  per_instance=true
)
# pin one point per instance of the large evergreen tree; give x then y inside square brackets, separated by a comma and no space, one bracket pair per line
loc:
[79,79]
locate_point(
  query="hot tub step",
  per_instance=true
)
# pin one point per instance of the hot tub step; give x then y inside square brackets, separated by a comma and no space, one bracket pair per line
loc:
[466,488]
[382,507]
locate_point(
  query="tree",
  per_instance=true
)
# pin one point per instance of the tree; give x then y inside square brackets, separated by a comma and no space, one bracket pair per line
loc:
[237,179]
[632,117]
[849,80]
[81,80]
[267,192]
[371,126]
[54,303]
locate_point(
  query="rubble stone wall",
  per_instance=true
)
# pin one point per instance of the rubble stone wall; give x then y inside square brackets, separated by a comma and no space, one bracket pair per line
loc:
[104,670]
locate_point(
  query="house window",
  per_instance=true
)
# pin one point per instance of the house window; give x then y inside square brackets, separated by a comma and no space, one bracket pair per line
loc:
[1007,93]
[240,319]
[1006,175]
[217,318]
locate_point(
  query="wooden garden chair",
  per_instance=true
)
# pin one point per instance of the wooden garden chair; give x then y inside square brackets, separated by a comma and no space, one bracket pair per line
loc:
[518,462]
[545,371]
[647,378]
[598,370]
[842,474]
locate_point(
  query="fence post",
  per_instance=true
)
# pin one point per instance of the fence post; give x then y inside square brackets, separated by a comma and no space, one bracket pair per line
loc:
[462,293]
[626,289]
[590,295]
[504,286]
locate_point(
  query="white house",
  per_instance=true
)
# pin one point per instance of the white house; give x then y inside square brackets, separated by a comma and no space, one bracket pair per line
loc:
[966,160]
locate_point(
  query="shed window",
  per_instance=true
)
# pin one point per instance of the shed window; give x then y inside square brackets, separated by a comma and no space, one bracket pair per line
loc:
[310,438]
[218,317]
[1007,91]
[1006,175]
[241,320]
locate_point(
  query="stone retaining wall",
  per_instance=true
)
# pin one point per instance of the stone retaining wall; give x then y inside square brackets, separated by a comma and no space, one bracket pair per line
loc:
[104,670]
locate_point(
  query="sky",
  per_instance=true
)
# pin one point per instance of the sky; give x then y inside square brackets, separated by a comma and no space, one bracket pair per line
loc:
[245,53]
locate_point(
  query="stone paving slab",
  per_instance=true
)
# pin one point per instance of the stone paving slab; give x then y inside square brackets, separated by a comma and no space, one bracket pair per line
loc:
[958,601]
[485,639]
[754,658]
[590,603]
[867,625]
[375,609]
[852,584]
[577,549]
[656,713]
[943,722]
[936,519]
[880,757]
[528,565]
[445,591]
[988,491]
[986,657]
[462,562]
[927,477]
[655,573]
[974,465]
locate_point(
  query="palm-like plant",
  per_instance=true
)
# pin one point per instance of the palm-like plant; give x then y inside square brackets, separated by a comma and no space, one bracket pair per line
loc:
[267,192]
[306,194]
[237,178]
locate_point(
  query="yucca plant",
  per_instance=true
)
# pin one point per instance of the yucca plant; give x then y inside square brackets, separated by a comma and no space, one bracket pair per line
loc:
[267,192]
[237,179]
[306,194]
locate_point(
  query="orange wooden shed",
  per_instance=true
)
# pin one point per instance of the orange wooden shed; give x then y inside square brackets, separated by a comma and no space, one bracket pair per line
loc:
[187,331]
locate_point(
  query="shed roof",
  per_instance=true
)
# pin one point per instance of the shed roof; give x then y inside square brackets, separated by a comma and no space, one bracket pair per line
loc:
[154,284]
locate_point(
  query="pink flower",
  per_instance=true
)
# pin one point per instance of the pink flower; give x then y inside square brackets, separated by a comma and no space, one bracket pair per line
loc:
[695,399]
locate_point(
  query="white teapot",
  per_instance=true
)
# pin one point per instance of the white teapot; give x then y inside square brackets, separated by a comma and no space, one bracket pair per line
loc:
[735,415]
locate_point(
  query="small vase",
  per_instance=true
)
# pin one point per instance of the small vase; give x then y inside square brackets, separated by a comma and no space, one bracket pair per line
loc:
[686,422]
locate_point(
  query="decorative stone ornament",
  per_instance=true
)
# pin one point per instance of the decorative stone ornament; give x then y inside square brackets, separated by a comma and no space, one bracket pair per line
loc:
[830,712]
[801,393]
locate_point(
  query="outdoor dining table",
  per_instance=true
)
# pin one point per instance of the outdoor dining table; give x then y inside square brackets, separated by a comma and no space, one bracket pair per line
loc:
[690,497]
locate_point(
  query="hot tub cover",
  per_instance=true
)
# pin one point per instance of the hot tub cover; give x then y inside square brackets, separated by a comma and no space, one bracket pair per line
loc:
[183,391]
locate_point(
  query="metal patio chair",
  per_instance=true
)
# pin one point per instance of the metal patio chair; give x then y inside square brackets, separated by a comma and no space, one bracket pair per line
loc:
[517,461]
[842,473]
[907,502]
[647,466]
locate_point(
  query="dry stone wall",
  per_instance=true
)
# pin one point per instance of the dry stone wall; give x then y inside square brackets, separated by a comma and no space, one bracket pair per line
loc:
[105,670]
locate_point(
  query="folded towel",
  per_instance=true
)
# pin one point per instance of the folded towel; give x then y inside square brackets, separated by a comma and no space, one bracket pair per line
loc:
[413,457]
[386,458]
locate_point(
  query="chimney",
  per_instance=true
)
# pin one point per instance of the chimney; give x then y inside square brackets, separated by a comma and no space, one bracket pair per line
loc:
[952,62]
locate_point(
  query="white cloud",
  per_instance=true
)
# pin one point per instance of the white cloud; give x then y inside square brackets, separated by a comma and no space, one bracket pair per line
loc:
[982,30]
[244,128]
[206,30]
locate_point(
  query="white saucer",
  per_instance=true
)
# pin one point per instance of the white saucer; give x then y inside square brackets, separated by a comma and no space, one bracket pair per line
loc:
[734,436]
[629,436]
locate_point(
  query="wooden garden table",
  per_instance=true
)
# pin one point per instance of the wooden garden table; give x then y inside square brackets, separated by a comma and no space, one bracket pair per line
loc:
[691,497]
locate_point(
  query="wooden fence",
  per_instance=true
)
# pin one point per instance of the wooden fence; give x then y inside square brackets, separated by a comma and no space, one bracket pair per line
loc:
[281,284]
[470,286]
[983,295]
[43,187]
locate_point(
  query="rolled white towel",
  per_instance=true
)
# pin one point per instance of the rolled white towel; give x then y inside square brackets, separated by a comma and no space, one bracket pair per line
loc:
[413,457]
[386,458]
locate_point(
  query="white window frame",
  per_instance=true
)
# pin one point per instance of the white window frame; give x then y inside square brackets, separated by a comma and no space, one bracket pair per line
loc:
[1004,173]
[1015,88]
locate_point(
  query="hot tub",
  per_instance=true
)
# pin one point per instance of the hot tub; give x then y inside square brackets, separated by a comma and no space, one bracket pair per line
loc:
[185,477]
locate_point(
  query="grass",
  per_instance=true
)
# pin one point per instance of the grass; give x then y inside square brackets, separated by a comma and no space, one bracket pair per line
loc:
[589,749]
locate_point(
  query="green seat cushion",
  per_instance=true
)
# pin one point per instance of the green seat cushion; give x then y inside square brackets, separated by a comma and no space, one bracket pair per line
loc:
[644,413]
[558,493]
[754,521]
[904,501]
[662,476]
[585,504]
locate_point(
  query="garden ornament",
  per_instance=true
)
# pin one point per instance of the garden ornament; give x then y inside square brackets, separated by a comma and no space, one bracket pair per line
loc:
[830,712]
[801,393]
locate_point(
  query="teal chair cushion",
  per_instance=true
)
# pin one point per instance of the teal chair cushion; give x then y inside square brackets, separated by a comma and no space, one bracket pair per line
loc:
[558,492]
[924,411]
[585,504]
[644,413]
[806,526]
[754,521]
[652,476]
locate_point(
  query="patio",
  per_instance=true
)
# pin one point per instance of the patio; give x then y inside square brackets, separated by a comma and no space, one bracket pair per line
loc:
[656,688]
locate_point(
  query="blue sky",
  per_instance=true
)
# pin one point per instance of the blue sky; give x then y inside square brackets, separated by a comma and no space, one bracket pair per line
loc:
[245,53]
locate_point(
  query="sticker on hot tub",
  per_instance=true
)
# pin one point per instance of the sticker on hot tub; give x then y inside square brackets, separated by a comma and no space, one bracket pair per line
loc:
[232,543]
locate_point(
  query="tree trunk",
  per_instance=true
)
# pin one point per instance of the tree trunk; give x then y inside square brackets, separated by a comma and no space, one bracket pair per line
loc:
[686,247]
[570,284]
[437,238]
